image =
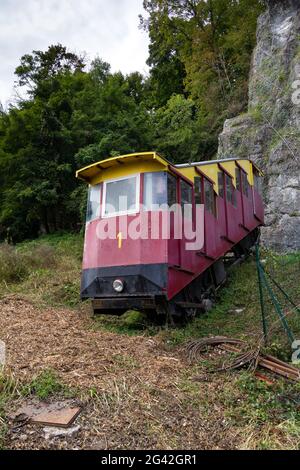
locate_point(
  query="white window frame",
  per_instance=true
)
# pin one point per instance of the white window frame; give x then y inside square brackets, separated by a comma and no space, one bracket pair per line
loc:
[137,200]
[100,198]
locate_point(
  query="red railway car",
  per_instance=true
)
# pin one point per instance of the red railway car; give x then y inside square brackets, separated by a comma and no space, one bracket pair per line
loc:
[136,251]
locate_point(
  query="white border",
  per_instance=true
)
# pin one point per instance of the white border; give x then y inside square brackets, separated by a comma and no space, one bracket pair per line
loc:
[137,200]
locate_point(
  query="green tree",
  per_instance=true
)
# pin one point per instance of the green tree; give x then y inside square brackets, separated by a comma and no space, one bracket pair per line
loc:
[167,70]
[210,43]
[71,118]
[37,71]
[38,145]
[175,130]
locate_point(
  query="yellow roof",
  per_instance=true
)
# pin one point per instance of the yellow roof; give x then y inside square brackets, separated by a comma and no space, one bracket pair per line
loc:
[150,161]
[89,172]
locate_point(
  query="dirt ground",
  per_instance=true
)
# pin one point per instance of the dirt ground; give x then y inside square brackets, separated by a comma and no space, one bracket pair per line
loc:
[136,392]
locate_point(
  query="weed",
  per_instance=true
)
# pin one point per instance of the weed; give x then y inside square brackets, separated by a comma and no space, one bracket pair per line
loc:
[67,294]
[118,395]
[259,403]
[44,385]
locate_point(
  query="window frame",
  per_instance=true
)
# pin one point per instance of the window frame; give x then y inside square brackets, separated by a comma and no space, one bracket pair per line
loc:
[166,176]
[100,189]
[230,188]
[171,177]
[221,185]
[245,183]
[136,210]
[190,187]
[238,176]
[198,189]
[214,211]
[258,182]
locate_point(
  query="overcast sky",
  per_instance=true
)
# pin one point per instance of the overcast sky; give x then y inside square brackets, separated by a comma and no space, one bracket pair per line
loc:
[107,28]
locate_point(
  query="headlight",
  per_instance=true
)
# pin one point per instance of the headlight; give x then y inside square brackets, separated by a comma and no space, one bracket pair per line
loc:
[118,285]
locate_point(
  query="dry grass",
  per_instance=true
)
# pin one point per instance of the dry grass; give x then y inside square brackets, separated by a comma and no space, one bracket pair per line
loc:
[135,393]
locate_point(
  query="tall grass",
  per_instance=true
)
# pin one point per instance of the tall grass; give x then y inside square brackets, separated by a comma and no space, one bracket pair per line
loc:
[13,266]
[16,265]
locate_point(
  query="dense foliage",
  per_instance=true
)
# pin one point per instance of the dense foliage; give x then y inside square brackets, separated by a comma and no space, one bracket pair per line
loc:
[71,116]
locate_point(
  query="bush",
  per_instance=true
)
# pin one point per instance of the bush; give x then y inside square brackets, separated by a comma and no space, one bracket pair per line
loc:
[13,266]
[16,264]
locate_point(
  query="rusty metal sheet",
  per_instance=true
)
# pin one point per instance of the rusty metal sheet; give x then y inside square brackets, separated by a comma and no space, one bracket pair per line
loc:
[59,418]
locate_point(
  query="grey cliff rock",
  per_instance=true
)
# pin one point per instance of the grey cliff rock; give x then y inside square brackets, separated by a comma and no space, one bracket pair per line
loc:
[269,133]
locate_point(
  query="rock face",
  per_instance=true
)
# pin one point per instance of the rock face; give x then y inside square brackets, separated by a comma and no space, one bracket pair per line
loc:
[269,133]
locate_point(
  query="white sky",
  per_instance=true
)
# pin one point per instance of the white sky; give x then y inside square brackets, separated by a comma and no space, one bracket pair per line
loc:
[107,28]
